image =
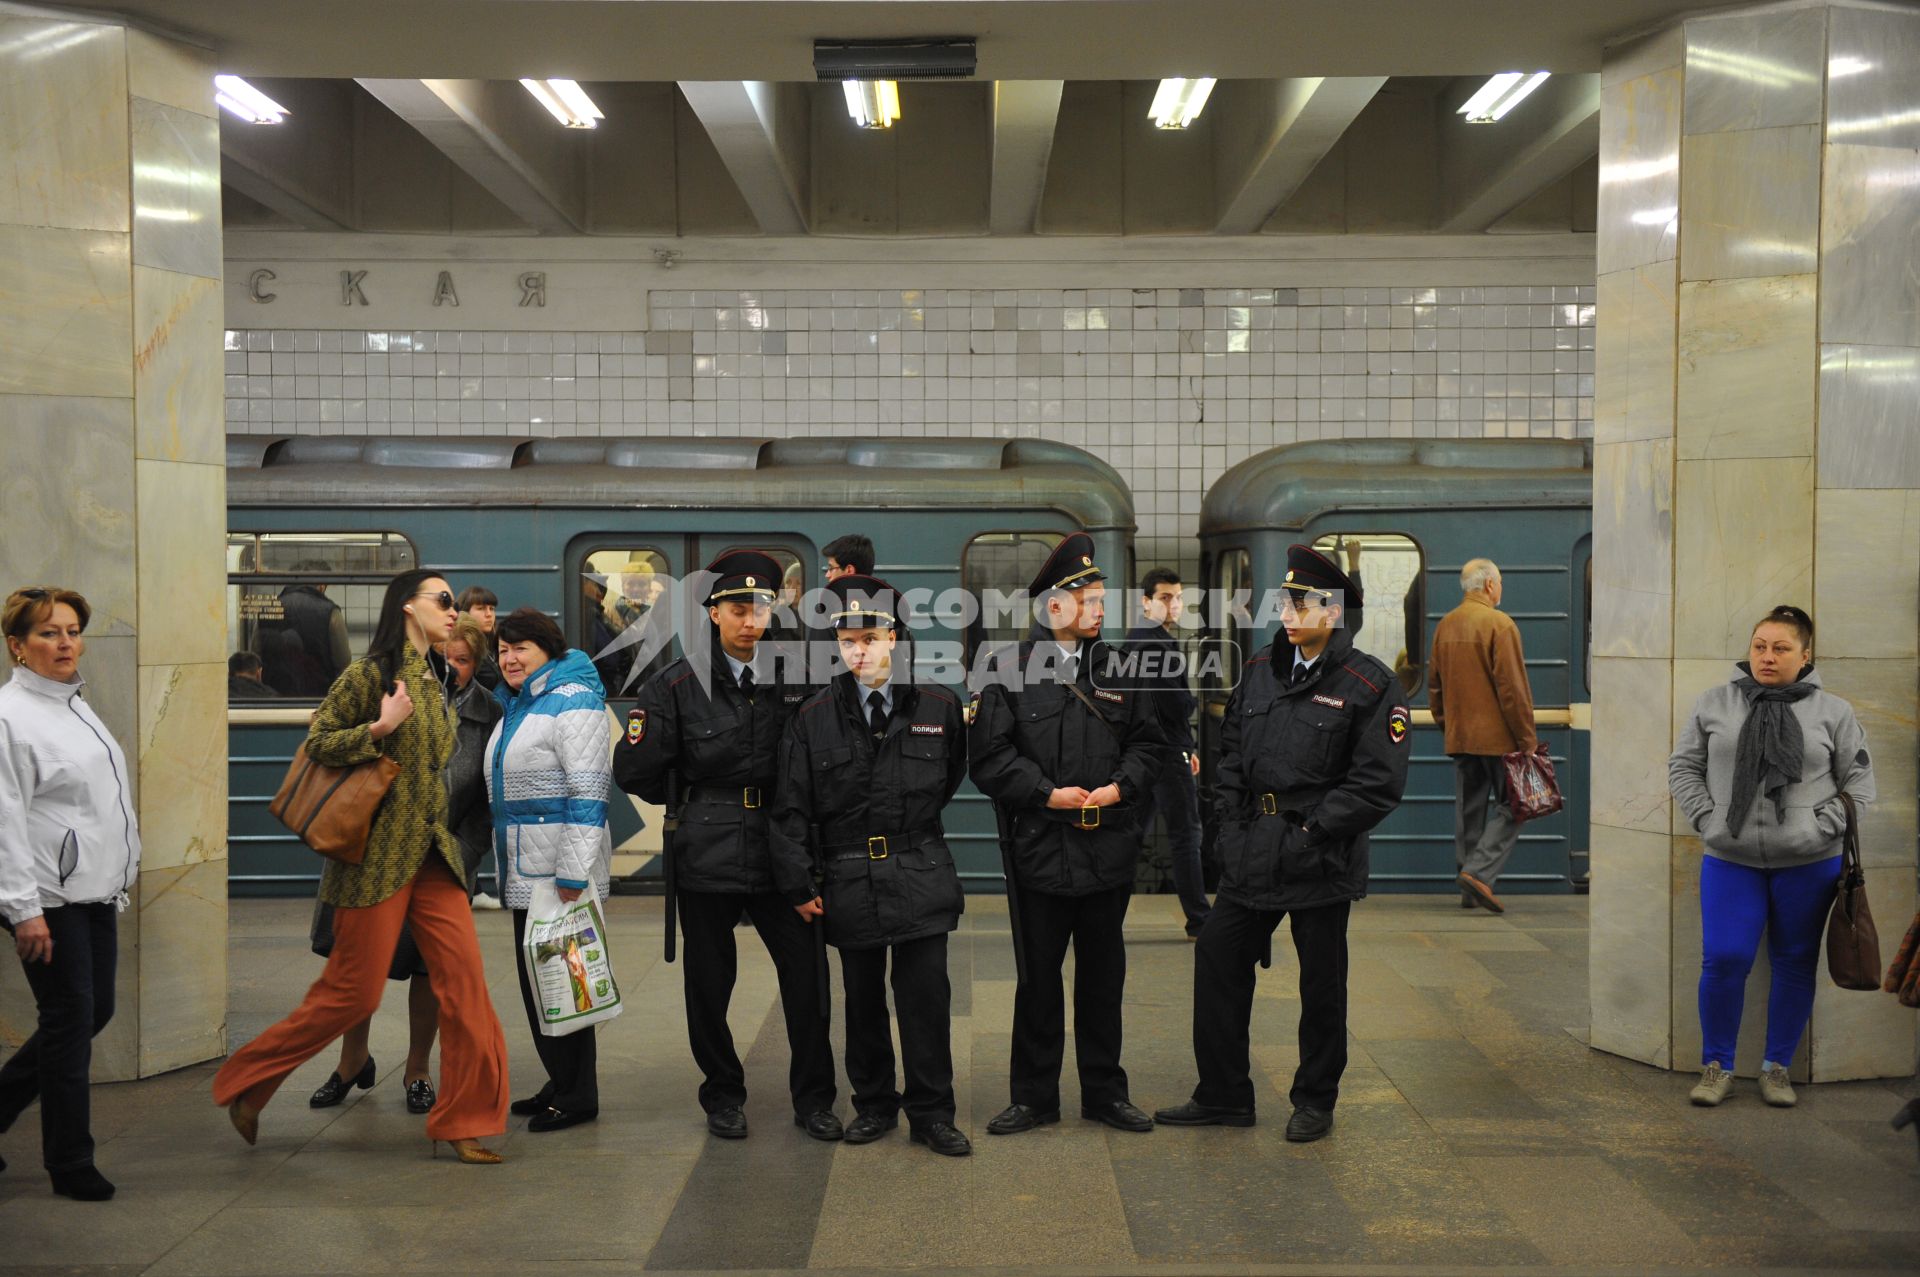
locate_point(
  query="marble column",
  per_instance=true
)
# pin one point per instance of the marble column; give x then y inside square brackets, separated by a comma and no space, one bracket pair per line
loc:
[114,484]
[1755,443]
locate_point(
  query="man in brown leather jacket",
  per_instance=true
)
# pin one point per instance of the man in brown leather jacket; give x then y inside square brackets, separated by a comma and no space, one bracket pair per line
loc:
[1478,691]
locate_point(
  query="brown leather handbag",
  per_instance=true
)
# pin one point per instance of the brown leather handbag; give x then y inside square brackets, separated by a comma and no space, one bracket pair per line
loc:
[1853,946]
[332,808]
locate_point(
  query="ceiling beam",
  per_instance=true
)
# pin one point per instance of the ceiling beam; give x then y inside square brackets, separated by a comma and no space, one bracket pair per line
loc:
[1270,135]
[495,133]
[1487,170]
[1024,115]
[763,146]
[259,182]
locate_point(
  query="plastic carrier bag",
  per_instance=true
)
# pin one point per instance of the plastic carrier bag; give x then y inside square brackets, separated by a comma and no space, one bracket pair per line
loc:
[569,966]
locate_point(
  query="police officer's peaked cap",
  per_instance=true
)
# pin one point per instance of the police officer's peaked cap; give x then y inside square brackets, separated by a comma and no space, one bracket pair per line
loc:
[1069,567]
[1308,569]
[864,603]
[744,577]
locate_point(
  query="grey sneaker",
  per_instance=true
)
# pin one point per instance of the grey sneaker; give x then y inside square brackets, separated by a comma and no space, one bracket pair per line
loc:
[1775,1087]
[1715,1085]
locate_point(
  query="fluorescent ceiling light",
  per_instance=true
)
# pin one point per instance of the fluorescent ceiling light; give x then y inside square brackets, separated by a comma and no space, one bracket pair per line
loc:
[567,101]
[1499,95]
[242,99]
[1177,103]
[873,104]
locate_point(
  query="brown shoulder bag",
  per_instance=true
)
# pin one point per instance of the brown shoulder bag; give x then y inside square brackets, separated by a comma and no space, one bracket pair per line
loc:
[1853,946]
[332,808]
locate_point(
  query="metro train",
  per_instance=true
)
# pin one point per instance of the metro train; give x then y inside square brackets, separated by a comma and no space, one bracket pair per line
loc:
[581,528]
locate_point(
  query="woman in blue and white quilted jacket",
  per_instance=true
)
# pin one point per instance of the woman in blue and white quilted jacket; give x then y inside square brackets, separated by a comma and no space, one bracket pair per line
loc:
[547,780]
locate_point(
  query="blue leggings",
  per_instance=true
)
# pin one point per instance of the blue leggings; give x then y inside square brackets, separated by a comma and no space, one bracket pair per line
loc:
[1736,902]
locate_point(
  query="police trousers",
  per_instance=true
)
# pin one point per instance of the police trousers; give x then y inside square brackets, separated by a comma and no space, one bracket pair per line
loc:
[709,964]
[923,999]
[1093,926]
[1224,961]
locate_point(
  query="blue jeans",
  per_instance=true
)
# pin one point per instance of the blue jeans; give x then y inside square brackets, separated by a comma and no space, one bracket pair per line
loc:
[1177,800]
[1736,902]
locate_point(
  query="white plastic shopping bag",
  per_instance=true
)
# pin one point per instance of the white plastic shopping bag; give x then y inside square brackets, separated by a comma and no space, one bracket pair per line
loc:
[567,960]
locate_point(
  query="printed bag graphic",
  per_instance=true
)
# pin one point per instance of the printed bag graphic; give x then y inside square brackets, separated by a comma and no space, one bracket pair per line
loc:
[568,963]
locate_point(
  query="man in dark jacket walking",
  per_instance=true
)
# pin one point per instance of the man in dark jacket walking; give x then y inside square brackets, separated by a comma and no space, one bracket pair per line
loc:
[1156,663]
[868,763]
[721,735]
[1313,755]
[1068,762]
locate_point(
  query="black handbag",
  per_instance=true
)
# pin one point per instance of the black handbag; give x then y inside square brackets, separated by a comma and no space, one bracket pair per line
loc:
[1853,946]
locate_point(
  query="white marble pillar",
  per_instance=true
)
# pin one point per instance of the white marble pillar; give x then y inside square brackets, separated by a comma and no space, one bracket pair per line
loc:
[114,484]
[1755,443]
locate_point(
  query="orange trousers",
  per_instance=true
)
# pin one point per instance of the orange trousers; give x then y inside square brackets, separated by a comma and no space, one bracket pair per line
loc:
[472,1101]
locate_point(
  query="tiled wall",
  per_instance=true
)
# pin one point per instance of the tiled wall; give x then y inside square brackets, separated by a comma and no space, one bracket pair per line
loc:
[1171,385]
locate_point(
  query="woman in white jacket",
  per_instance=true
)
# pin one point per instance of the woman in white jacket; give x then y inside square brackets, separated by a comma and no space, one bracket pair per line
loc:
[548,774]
[69,855]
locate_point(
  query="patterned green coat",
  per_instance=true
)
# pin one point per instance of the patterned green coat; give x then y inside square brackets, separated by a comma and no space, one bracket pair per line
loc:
[412,823]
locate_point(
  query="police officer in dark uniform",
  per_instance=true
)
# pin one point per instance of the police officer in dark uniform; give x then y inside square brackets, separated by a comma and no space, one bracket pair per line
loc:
[1313,755]
[718,729]
[1067,763]
[869,762]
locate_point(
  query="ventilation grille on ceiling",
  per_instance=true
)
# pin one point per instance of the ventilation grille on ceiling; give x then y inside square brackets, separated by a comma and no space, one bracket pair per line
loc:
[914,58]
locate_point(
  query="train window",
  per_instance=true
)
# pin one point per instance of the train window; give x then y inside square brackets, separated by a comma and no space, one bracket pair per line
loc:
[1391,574]
[1232,578]
[619,588]
[301,605]
[1001,564]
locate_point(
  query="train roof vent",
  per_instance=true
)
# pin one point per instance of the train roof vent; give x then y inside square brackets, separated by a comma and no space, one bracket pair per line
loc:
[443,454]
[308,450]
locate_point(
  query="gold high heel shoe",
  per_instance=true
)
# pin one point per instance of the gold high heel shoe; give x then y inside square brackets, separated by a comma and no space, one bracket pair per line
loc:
[245,1120]
[470,1152]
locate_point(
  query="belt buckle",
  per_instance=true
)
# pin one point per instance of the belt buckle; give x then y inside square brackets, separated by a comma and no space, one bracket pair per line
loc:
[882,853]
[1085,823]
[750,797]
[1269,805]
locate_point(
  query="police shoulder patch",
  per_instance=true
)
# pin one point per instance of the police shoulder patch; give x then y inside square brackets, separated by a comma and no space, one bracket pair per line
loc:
[972,710]
[1397,723]
[636,726]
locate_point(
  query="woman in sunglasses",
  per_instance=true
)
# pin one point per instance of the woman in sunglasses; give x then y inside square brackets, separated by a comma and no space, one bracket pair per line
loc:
[69,854]
[390,703]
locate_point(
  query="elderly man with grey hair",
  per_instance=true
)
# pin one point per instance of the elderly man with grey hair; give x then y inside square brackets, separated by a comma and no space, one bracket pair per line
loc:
[1478,692]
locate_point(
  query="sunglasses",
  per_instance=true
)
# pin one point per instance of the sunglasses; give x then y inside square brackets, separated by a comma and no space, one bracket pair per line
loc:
[444,598]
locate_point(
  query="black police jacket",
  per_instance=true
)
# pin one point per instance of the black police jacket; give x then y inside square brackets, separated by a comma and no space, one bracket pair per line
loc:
[726,751]
[1031,738]
[1305,771]
[859,825]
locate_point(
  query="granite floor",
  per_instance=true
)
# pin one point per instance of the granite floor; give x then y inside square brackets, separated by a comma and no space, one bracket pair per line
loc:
[1477,1133]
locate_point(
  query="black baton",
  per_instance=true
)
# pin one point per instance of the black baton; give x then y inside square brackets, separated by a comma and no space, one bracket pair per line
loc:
[667,829]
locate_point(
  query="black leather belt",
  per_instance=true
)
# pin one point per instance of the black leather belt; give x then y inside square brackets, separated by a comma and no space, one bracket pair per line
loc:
[1272,804]
[878,846]
[747,796]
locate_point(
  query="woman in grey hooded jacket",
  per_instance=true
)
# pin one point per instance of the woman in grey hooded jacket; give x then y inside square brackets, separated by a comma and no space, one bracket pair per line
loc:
[1759,771]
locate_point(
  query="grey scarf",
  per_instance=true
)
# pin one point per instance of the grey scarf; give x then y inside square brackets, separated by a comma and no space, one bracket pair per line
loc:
[1771,750]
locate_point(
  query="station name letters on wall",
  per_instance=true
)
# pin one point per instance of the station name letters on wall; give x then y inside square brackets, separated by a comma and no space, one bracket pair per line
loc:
[353,284]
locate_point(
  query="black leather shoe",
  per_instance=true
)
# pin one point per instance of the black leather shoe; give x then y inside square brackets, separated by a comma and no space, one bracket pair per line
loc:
[560,1120]
[865,1128]
[82,1184]
[334,1089]
[728,1124]
[821,1124]
[943,1138]
[1194,1113]
[1307,1125]
[532,1104]
[1467,901]
[1121,1115]
[420,1096]
[1016,1118]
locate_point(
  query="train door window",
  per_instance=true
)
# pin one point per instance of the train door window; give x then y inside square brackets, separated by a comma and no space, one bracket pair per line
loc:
[619,589]
[1391,574]
[994,567]
[1232,578]
[302,605]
